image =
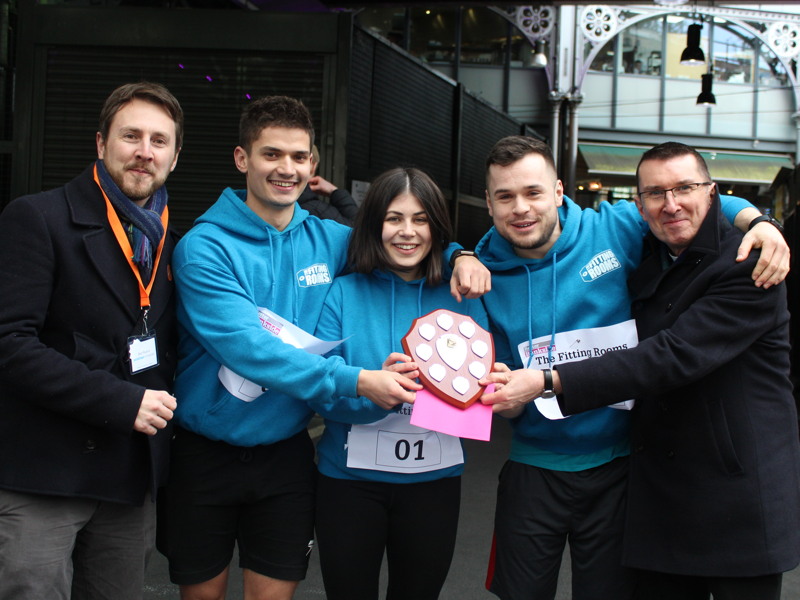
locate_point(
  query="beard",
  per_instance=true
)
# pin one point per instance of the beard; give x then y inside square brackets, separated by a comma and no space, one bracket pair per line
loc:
[525,243]
[138,187]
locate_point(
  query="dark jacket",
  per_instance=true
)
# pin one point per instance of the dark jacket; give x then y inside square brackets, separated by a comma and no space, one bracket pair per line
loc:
[67,399]
[340,208]
[714,485]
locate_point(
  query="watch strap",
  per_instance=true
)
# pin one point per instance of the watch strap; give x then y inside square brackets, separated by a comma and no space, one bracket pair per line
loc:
[460,252]
[765,218]
[548,383]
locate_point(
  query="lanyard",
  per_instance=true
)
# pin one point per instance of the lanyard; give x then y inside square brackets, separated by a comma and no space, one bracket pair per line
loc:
[125,245]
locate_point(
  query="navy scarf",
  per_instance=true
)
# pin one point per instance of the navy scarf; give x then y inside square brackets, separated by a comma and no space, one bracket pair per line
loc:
[145,222]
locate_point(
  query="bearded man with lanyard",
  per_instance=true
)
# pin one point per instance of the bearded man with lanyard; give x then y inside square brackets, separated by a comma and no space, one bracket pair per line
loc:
[87,360]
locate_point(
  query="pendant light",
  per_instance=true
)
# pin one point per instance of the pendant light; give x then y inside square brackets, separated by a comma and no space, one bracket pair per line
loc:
[693,54]
[706,97]
[540,57]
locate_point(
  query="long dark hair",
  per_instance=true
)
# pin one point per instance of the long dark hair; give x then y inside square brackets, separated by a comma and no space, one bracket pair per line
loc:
[366,252]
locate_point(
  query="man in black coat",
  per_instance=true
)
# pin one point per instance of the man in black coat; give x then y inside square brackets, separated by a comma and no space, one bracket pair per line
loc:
[87,360]
[714,487]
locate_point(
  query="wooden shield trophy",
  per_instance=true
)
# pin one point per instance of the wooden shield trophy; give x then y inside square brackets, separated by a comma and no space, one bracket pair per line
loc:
[453,352]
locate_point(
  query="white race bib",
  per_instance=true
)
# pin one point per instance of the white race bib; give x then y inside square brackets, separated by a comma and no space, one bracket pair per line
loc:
[576,345]
[247,390]
[393,444]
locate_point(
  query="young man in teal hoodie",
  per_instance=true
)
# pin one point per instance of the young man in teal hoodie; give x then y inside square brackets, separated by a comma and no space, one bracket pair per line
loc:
[563,272]
[253,271]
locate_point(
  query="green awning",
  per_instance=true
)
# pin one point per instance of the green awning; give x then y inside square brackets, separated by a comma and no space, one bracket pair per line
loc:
[729,167]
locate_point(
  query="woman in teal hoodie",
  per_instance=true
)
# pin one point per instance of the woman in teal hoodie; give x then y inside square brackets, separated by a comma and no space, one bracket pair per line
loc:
[371,496]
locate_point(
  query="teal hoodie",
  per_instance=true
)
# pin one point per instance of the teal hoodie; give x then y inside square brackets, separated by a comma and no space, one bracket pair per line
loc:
[373,312]
[580,283]
[226,267]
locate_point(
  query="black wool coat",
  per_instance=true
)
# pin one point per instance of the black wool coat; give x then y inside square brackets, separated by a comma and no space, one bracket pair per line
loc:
[70,302]
[714,486]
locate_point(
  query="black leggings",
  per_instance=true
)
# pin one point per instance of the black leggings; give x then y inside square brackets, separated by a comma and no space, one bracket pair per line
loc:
[415,523]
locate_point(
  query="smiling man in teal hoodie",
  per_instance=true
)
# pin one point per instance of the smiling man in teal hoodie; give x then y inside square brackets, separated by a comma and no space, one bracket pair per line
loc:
[559,278]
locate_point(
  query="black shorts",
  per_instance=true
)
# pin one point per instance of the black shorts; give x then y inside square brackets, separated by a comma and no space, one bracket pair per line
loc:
[538,510]
[261,498]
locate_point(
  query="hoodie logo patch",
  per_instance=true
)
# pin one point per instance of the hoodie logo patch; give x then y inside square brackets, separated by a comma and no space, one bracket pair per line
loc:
[601,264]
[314,275]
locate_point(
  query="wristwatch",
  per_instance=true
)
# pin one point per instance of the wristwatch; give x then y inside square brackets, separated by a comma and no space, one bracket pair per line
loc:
[548,385]
[765,218]
[458,253]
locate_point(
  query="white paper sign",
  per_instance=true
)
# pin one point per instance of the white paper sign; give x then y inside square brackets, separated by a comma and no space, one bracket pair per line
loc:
[247,390]
[576,345]
[359,191]
[393,444]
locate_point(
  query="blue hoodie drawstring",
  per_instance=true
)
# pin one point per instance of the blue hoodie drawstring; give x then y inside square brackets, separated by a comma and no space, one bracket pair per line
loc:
[274,285]
[295,295]
[530,314]
[553,313]
[393,337]
[553,302]
[391,317]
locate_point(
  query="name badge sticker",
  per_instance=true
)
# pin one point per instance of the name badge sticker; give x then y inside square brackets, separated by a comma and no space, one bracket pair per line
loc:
[142,352]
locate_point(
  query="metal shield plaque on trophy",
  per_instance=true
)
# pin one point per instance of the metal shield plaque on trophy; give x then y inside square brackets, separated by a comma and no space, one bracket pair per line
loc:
[453,352]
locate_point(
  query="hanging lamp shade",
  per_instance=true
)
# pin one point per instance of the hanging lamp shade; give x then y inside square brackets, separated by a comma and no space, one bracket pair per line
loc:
[540,57]
[693,54]
[706,97]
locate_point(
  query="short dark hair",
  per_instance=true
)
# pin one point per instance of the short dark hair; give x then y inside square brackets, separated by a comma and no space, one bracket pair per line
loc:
[669,150]
[516,147]
[273,111]
[155,93]
[366,253]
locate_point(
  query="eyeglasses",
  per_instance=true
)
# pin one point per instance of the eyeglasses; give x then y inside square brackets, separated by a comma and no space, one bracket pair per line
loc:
[679,191]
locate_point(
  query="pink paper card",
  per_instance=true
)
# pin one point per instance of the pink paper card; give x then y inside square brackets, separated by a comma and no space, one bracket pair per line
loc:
[473,422]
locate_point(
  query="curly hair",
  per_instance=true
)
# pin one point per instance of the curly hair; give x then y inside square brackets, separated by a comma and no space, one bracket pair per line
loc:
[273,111]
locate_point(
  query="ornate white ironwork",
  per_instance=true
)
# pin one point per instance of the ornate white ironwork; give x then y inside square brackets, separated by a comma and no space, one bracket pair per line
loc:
[784,39]
[536,21]
[599,23]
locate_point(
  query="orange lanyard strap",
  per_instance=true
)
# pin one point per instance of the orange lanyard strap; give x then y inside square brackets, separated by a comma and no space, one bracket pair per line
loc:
[125,244]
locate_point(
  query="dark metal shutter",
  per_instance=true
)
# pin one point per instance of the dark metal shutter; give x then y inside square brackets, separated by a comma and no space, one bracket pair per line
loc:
[359,114]
[482,125]
[212,87]
[401,113]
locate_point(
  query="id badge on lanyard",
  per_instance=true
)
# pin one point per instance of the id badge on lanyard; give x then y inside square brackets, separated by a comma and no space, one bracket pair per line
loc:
[142,348]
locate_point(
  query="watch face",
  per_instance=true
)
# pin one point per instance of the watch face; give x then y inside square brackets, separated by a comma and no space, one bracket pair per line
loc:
[547,394]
